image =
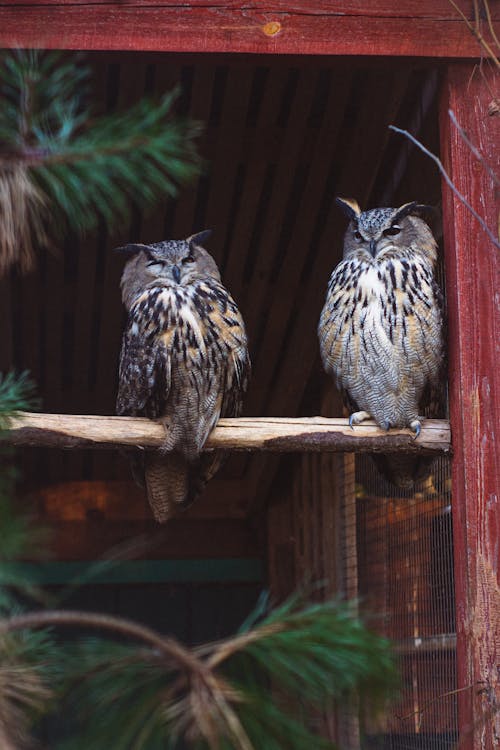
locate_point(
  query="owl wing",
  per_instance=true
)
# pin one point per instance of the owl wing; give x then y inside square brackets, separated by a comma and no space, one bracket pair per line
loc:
[144,375]
[232,337]
[332,325]
[237,377]
[433,400]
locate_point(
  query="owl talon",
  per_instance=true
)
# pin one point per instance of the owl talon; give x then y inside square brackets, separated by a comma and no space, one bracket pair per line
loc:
[416,427]
[357,417]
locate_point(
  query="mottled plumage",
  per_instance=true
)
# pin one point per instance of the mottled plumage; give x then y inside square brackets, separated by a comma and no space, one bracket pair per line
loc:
[380,330]
[184,361]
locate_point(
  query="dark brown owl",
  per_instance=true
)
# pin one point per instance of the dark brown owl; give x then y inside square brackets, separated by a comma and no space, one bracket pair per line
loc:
[380,330]
[184,361]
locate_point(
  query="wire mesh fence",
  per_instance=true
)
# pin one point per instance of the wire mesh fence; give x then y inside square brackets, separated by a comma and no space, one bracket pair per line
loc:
[404,565]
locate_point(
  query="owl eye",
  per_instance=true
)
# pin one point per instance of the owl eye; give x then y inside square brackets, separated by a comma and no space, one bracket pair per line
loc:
[392,231]
[358,236]
[188,259]
[154,262]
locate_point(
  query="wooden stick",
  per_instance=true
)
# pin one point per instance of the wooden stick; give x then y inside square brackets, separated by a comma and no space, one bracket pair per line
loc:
[282,435]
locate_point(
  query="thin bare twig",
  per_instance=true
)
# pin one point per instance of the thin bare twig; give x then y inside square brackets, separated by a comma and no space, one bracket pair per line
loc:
[475,30]
[449,182]
[486,7]
[479,156]
[426,705]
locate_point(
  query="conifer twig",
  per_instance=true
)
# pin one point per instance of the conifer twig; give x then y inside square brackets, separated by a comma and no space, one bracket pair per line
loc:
[63,168]
[119,625]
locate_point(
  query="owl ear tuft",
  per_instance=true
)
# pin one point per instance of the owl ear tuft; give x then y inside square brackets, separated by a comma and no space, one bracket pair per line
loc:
[350,207]
[131,249]
[200,237]
[414,208]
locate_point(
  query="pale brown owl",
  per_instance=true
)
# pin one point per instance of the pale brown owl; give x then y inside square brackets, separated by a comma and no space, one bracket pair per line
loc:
[380,330]
[184,361]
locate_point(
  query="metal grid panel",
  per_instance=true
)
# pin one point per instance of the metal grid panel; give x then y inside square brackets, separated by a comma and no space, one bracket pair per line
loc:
[405,577]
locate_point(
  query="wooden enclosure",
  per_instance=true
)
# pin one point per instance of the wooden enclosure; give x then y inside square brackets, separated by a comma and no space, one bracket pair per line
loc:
[296,99]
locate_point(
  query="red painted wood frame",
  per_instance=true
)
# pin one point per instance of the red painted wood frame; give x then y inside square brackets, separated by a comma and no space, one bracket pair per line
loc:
[473,282]
[430,28]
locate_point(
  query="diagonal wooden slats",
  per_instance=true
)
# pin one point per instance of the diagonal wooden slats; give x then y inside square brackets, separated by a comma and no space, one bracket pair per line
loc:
[358,167]
[281,300]
[287,163]
[258,170]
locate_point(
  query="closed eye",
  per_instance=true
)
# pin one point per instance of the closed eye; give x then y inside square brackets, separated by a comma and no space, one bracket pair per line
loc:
[188,259]
[358,236]
[392,231]
[156,267]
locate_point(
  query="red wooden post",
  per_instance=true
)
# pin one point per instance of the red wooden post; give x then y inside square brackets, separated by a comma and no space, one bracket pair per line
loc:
[473,283]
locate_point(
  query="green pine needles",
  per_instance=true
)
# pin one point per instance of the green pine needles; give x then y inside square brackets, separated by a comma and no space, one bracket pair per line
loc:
[61,167]
[263,688]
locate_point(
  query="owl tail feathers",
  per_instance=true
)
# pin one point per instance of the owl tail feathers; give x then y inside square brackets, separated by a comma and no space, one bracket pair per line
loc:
[404,470]
[167,483]
[172,482]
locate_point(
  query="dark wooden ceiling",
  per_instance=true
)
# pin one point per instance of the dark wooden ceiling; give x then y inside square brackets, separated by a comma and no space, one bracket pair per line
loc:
[283,136]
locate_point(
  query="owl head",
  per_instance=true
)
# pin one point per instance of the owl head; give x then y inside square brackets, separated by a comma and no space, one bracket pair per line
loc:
[381,233]
[167,263]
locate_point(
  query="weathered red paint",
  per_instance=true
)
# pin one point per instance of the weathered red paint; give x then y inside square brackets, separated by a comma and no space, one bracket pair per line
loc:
[473,284]
[431,28]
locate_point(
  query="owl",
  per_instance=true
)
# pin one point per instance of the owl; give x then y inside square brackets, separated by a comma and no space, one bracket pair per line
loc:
[381,329]
[184,361]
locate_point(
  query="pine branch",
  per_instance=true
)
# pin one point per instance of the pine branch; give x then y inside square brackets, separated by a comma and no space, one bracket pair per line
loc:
[219,696]
[62,168]
[168,647]
[17,393]
[26,659]
[26,673]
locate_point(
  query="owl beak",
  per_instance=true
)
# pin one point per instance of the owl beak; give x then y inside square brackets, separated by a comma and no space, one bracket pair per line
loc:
[176,273]
[373,247]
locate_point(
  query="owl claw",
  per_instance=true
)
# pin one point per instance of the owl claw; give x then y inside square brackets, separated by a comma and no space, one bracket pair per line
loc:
[415,427]
[357,417]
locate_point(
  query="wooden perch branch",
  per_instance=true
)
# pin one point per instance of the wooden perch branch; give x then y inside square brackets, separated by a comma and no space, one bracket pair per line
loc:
[282,435]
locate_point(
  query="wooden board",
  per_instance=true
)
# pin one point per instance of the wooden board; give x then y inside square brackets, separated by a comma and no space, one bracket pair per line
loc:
[281,435]
[431,28]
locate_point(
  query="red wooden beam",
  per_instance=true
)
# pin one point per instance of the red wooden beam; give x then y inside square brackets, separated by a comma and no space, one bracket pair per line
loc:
[429,28]
[473,283]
